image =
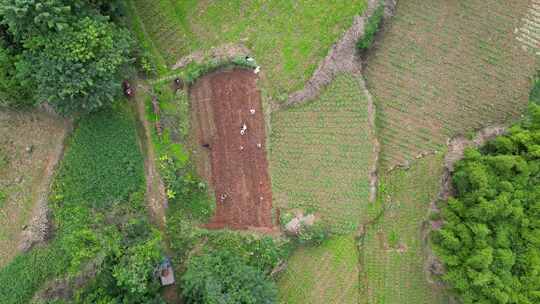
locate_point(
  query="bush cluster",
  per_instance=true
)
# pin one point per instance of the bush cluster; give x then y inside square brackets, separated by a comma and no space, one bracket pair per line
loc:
[223,277]
[490,240]
[371,28]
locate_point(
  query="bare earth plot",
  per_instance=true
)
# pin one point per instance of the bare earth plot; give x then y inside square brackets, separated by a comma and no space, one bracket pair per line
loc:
[320,160]
[447,67]
[230,125]
[29,142]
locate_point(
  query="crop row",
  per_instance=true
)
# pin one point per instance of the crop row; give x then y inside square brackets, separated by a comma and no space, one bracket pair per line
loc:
[448,68]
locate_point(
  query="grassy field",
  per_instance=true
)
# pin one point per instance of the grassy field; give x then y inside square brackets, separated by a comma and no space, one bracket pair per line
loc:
[320,156]
[298,33]
[324,274]
[22,172]
[392,256]
[447,67]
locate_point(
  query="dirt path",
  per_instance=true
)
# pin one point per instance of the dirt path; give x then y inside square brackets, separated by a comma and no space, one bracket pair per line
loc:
[39,227]
[155,196]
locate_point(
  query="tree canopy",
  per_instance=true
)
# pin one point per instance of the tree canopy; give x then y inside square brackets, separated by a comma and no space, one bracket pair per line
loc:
[223,277]
[65,53]
[490,240]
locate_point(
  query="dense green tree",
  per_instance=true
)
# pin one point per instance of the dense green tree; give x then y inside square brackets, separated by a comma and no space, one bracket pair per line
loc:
[222,277]
[490,240]
[79,68]
[63,52]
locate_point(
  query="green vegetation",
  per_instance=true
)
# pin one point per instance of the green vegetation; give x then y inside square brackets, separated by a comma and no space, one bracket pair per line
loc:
[3,197]
[535,92]
[371,29]
[321,154]
[99,217]
[323,274]
[103,164]
[298,33]
[222,277]
[320,159]
[489,242]
[446,68]
[87,51]
[392,249]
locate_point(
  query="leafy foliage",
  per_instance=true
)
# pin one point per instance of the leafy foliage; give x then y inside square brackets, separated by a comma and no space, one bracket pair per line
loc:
[490,241]
[223,277]
[87,58]
[103,165]
[371,29]
[66,51]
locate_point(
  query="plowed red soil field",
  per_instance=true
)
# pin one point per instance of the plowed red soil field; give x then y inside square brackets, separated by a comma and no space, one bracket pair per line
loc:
[229,124]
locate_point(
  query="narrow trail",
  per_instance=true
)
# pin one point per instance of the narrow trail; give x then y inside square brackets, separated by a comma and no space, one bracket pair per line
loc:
[155,196]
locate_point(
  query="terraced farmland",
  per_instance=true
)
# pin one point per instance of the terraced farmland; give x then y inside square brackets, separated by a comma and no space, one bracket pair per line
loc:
[529,32]
[321,154]
[288,38]
[323,274]
[392,257]
[447,67]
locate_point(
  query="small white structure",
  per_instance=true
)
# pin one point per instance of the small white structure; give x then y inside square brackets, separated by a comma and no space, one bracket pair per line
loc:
[252,111]
[243,130]
[257,70]
[250,59]
[166,274]
[259,145]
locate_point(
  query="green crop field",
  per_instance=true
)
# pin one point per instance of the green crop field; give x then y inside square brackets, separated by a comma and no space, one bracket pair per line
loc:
[288,38]
[320,156]
[447,67]
[324,274]
[392,251]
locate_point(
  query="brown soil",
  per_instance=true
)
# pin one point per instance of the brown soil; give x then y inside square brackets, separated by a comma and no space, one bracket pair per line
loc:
[31,143]
[221,103]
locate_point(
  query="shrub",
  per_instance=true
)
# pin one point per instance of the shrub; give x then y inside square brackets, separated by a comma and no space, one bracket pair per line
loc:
[222,277]
[314,234]
[371,29]
[3,197]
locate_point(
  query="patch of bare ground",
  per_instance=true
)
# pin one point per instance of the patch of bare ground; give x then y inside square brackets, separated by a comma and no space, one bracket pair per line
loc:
[31,145]
[228,109]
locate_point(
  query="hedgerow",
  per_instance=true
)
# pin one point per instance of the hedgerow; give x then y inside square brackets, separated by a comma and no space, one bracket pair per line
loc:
[490,240]
[371,28]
